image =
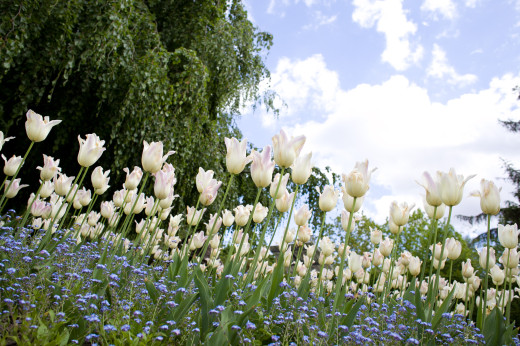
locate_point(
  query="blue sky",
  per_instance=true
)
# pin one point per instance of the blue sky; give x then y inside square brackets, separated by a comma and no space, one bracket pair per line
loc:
[411,86]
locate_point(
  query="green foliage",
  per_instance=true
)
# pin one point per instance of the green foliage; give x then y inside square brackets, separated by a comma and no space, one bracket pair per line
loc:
[171,71]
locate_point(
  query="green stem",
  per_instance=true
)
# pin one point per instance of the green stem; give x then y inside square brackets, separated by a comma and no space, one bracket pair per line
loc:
[206,244]
[437,276]
[339,282]
[486,274]
[433,231]
[451,268]
[28,210]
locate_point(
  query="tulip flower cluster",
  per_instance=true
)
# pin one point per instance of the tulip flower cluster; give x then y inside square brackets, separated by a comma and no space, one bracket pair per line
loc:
[209,271]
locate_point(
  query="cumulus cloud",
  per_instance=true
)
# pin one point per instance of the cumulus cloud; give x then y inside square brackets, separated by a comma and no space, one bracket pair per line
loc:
[397,126]
[445,8]
[320,20]
[441,69]
[390,19]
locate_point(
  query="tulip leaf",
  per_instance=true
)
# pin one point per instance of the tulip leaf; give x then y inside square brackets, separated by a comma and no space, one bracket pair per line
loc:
[275,283]
[206,303]
[443,308]
[352,312]
[184,307]
[494,328]
[152,290]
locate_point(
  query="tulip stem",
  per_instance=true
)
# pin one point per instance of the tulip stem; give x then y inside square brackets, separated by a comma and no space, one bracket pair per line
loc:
[250,275]
[28,210]
[339,282]
[486,274]
[433,233]
[2,199]
[451,269]
[82,172]
[294,249]
[437,276]
[393,255]
[206,244]
[509,297]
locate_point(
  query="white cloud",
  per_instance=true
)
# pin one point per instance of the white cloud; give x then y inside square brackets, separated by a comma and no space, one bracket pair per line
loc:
[471,3]
[441,69]
[445,8]
[389,17]
[274,4]
[308,84]
[319,20]
[399,129]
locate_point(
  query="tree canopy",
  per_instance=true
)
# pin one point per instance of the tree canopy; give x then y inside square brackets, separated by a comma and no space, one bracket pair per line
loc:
[131,70]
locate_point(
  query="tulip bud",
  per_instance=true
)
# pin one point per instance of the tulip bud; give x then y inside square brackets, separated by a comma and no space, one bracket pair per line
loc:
[262,167]
[242,214]
[375,236]
[194,216]
[304,234]
[357,180]
[13,189]
[281,188]
[437,251]
[497,275]
[4,139]
[467,269]
[47,189]
[285,150]
[393,228]
[344,220]
[452,186]
[432,188]
[377,258]
[164,181]
[37,127]
[227,218]
[133,179]
[99,178]
[430,211]
[12,165]
[454,248]
[302,215]
[301,169]
[386,247]
[348,201]
[107,209]
[483,256]
[284,203]
[90,150]
[354,261]
[93,218]
[399,213]
[508,235]
[236,158]
[509,258]
[386,265]
[328,199]
[489,197]
[326,246]
[414,266]
[152,158]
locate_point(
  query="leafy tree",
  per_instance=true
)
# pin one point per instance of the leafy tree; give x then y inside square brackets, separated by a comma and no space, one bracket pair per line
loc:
[174,71]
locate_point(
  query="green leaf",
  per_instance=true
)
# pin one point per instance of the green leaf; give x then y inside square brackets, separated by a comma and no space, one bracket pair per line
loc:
[352,312]
[184,307]
[446,304]
[494,328]
[206,303]
[152,291]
